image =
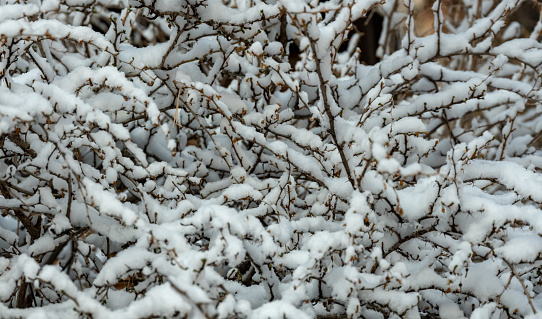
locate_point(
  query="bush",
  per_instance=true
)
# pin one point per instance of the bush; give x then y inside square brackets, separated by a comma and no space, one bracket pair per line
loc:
[235,159]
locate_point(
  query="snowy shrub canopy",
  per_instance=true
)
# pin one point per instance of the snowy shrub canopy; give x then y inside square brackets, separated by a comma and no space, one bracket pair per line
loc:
[236,159]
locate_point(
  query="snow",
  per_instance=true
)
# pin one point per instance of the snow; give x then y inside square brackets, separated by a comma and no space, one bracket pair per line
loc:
[107,203]
[175,159]
[515,177]
[415,201]
[521,248]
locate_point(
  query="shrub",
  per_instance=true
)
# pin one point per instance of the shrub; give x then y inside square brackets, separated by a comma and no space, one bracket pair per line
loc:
[232,159]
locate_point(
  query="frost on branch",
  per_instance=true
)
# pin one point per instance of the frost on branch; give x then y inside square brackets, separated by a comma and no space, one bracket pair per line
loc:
[235,159]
